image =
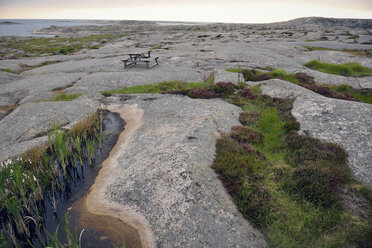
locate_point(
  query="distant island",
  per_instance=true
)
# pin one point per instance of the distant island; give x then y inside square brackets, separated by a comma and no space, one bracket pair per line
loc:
[9,23]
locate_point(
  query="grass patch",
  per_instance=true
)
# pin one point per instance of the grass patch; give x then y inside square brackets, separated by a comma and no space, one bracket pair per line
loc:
[8,70]
[48,46]
[65,97]
[360,53]
[347,70]
[166,86]
[235,69]
[360,95]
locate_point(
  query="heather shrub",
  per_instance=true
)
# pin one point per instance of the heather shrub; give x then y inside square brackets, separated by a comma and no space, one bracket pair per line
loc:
[247,93]
[224,88]
[243,134]
[249,118]
[202,93]
[316,184]
[304,148]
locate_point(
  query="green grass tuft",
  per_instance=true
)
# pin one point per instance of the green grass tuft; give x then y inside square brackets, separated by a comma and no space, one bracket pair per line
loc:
[359,52]
[347,70]
[8,70]
[235,69]
[363,96]
[65,97]
[156,88]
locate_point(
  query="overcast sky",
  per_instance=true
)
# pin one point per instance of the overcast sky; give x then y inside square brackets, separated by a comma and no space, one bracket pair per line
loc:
[248,11]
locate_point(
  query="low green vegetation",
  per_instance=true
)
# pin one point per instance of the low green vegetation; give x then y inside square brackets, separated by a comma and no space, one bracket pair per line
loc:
[235,69]
[290,186]
[165,86]
[64,97]
[286,184]
[339,92]
[360,53]
[7,70]
[360,95]
[347,70]
[57,45]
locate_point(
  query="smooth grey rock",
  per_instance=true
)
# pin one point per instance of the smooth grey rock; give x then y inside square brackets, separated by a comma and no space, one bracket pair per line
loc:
[37,96]
[6,77]
[11,66]
[8,98]
[164,173]
[282,89]
[39,83]
[22,129]
[226,76]
[85,65]
[134,76]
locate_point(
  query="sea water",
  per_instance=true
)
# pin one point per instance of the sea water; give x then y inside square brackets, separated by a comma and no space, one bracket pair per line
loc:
[25,27]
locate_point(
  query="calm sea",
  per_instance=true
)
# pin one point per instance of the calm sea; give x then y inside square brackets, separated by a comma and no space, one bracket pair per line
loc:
[26,27]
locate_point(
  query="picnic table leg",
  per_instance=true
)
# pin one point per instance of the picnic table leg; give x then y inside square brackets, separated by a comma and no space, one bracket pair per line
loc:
[125,65]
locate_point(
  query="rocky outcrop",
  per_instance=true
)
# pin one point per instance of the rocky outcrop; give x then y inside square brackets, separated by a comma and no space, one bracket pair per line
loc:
[163,173]
[27,126]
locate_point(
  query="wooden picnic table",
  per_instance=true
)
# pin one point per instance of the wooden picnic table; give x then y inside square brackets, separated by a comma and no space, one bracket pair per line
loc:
[135,58]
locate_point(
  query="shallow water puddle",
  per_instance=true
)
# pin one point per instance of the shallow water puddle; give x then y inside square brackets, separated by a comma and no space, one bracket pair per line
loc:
[65,202]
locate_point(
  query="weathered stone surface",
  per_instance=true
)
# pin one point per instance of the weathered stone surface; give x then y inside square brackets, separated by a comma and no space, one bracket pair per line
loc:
[22,128]
[342,122]
[39,83]
[85,65]
[283,89]
[135,76]
[164,173]
[37,96]
[225,76]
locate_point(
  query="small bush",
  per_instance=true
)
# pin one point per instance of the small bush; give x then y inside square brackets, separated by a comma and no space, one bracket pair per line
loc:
[304,78]
[245,135]
[315,184]
[249,118]
[251,75]
[237,169]
[66,50]
[224,89]
[278,73]
[247,94]
[291,125]
[202,93]
[304,148]
[327,92]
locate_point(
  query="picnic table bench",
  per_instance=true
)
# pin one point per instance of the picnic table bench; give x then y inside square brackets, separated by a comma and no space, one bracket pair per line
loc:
[135,58]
